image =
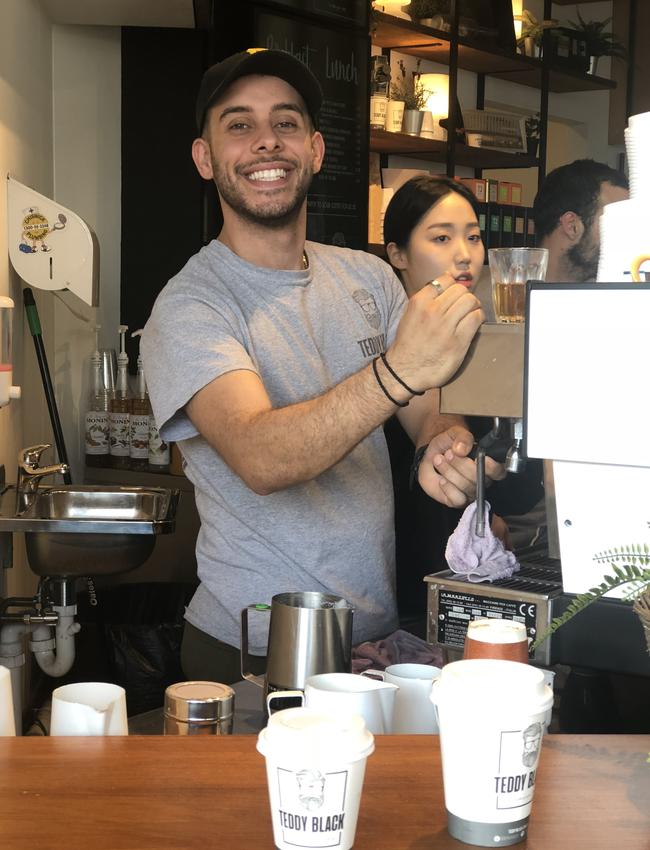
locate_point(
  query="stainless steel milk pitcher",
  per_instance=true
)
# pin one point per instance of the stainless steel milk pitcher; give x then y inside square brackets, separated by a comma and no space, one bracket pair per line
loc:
[309,633]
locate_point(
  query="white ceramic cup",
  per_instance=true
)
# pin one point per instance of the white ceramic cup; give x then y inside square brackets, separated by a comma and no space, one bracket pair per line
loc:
[315,766]
[7,724]
[491,716]
[347,693]
[89,708]
[414,713]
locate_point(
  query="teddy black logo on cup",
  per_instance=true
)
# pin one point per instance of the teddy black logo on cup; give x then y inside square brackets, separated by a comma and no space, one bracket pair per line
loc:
[311,789]
[532,740]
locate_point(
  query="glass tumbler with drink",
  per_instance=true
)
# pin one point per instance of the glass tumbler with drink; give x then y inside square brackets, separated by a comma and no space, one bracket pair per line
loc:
[510,268]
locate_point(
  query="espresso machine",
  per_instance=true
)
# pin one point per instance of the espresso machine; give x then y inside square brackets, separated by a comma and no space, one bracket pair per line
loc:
[490,383]
[568,386]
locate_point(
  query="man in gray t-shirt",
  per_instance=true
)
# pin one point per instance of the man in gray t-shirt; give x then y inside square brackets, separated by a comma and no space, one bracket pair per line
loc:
[274,362]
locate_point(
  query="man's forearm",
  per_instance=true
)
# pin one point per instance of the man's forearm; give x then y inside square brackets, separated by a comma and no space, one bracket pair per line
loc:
[423,421]
[271,449]
[278,447]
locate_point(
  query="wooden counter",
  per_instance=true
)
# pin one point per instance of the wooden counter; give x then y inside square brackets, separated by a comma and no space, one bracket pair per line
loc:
[157,793]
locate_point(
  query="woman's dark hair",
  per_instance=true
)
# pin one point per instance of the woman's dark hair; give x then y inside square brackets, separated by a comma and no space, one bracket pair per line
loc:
[414,199]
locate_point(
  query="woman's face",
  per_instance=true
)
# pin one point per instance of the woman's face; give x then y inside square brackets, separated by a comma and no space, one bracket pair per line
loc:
[446,239]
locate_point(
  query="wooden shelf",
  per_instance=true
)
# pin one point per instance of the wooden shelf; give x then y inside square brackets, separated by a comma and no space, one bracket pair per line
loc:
[382,141]
[426,43]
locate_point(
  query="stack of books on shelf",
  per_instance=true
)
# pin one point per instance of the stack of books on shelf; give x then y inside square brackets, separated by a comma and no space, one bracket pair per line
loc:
[504,221]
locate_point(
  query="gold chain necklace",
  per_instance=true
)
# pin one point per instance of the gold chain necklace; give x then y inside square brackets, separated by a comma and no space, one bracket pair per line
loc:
[305,261]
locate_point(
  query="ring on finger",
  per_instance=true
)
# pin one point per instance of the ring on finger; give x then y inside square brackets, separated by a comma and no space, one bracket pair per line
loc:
[437,286]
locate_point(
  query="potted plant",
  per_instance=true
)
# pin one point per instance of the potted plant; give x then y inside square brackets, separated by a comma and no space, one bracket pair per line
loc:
[598,41]
[533,131]
[630,565]
[425,11]
[532,31]
[408,89]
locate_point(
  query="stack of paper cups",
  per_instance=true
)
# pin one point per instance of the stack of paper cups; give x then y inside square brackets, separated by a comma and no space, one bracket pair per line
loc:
[623,232]
[623,236]
[637,140]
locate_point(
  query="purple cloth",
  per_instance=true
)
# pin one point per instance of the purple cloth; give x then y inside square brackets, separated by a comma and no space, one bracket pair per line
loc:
[400,647]
[478,558]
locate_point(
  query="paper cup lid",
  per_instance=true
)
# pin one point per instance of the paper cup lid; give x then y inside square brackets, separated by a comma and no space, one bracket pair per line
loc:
[487,683]
[301,734]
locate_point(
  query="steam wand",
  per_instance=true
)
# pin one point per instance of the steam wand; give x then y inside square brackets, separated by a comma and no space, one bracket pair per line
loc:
[503,443]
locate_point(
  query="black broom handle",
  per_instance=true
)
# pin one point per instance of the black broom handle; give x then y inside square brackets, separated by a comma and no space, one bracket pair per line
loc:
[35,328]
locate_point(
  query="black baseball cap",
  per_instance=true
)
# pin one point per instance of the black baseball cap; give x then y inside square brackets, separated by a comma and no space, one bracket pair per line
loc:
[258,60]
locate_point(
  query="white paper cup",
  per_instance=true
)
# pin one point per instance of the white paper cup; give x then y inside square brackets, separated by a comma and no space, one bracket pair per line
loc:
[315,765]
[7,723]
[89,708]
[491,716]
[394,116]
[414,713]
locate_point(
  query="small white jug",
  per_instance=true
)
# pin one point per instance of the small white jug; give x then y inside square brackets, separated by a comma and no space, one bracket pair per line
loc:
[347,693]
[414,713]
[89,708]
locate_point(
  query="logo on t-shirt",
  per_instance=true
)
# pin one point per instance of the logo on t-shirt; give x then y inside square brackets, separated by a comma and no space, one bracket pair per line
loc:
[368,305]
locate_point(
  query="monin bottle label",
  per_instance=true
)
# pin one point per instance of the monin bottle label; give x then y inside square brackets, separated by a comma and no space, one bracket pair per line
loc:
[120,434]
[97,432]
[140,436]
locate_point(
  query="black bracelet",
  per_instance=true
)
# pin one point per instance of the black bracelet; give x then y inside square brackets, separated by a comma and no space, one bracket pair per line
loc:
[383,388]
[397,377]
[415,466]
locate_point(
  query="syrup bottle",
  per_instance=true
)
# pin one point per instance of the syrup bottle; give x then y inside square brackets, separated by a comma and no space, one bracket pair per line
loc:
[97,431]
[120,410]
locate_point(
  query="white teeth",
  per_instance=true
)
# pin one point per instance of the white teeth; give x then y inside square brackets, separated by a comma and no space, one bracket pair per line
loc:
[268,174]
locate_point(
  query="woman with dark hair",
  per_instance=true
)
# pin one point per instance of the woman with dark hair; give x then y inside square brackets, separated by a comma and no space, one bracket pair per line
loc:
[430,228]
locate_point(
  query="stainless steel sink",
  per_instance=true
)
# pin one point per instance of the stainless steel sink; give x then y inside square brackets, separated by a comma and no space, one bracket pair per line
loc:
[79,530]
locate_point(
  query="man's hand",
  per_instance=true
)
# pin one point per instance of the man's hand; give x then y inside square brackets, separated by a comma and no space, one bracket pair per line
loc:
[434,334]
[447,474]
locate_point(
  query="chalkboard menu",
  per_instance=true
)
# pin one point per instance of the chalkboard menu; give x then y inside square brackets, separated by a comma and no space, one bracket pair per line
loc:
[338,57]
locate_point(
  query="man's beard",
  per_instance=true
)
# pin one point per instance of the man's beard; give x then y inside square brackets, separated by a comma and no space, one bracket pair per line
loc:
[583,260]
[273,215]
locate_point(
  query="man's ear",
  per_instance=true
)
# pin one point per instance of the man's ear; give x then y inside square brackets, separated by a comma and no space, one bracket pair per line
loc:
[572,226]
[396,256]
[317,150]
[202,158]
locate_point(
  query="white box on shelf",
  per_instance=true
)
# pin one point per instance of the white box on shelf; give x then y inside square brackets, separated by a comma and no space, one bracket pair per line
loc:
[500,131]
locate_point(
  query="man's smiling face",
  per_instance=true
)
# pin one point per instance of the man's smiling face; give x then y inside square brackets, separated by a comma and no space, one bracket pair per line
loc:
[260,149]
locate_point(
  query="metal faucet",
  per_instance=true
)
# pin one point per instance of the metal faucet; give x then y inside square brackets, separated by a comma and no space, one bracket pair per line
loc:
[30,473]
